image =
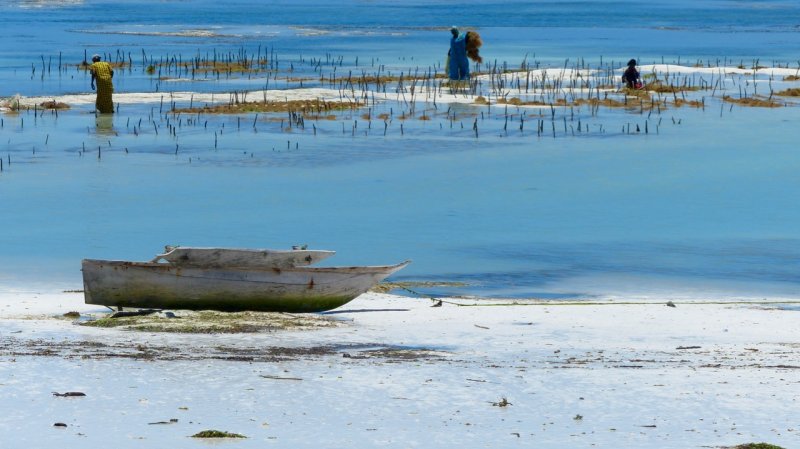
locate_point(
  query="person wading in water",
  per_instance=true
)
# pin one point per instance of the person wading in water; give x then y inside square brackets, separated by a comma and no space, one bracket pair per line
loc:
[102,73]
[631,76]
[462,46]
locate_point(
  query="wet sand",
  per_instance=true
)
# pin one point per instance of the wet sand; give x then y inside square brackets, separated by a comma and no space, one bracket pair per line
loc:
[394,368]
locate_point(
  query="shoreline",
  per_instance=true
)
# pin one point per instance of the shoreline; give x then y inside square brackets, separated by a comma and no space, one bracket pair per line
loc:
[48,303]
[668,374]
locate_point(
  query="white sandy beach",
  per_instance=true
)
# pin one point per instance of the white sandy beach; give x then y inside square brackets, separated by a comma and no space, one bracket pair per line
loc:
[399,373]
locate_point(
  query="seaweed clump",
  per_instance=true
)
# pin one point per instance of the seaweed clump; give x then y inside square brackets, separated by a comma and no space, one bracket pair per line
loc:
[53,104]
[217,434]
[793,92]
[661,87]
[756,446]
[754,102]
[693,103]
[305,106]
[514,101]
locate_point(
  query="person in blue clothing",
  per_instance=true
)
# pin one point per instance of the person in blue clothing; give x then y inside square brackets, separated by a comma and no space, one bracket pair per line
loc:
[462,46]
[458,64]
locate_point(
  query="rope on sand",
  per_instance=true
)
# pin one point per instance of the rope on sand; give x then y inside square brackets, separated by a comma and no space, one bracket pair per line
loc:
[437,302]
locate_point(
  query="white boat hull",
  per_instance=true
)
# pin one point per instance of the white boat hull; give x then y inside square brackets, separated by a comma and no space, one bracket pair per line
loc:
[165,286]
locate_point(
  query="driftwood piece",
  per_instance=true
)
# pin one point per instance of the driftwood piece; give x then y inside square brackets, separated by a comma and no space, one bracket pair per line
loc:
[69,394]
[143,312]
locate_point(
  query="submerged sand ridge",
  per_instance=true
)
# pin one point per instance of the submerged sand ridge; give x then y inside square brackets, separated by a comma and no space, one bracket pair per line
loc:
[198,97]
[540,88]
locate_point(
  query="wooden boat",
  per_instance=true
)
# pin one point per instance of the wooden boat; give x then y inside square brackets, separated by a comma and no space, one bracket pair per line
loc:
[268,289]
[185,256]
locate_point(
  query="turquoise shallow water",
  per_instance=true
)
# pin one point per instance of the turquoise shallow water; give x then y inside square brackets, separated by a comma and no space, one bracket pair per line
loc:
[706,207]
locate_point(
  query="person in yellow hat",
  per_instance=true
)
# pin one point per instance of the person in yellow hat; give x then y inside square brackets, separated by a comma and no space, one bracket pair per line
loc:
[102,73]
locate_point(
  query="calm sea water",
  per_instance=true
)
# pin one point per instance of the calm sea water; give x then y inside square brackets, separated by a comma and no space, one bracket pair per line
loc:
[705,208]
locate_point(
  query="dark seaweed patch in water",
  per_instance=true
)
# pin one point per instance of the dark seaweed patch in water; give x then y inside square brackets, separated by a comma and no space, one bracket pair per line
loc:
[491,285]
[790,307]
[529,270]
[722,259]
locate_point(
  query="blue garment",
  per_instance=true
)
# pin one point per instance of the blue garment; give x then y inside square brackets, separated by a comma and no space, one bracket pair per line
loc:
[459,65]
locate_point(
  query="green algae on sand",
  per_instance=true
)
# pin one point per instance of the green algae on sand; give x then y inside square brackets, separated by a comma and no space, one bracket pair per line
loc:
[212,322]
[217,434]
[756,446]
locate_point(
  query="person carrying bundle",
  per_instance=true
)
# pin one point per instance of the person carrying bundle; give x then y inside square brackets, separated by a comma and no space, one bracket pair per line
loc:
[462,46]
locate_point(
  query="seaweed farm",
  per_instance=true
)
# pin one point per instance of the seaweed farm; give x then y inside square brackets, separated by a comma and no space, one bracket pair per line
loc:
[593,265]
[419,137]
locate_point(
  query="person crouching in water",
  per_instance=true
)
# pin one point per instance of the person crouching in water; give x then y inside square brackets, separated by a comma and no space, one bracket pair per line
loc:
[631,76]
[462,46]
[102,73]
